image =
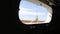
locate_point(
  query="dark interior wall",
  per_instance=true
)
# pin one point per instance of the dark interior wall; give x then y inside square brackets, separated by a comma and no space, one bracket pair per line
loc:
[53,26]
[56,2]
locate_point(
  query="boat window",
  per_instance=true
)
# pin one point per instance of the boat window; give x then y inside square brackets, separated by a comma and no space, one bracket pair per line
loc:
[32,13]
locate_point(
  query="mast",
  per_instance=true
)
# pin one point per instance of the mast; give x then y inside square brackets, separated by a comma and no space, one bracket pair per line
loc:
[36,19]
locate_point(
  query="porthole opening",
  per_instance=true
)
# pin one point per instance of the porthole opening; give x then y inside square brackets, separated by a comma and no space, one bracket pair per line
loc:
[34,13]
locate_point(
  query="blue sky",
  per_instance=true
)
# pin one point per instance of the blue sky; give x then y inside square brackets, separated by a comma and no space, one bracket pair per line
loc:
[28,11]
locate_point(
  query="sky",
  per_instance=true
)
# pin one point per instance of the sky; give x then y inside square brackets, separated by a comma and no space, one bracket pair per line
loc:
[28,11]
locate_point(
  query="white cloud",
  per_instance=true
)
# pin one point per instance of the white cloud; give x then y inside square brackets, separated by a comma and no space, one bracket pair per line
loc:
[22,12]
[27,8]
